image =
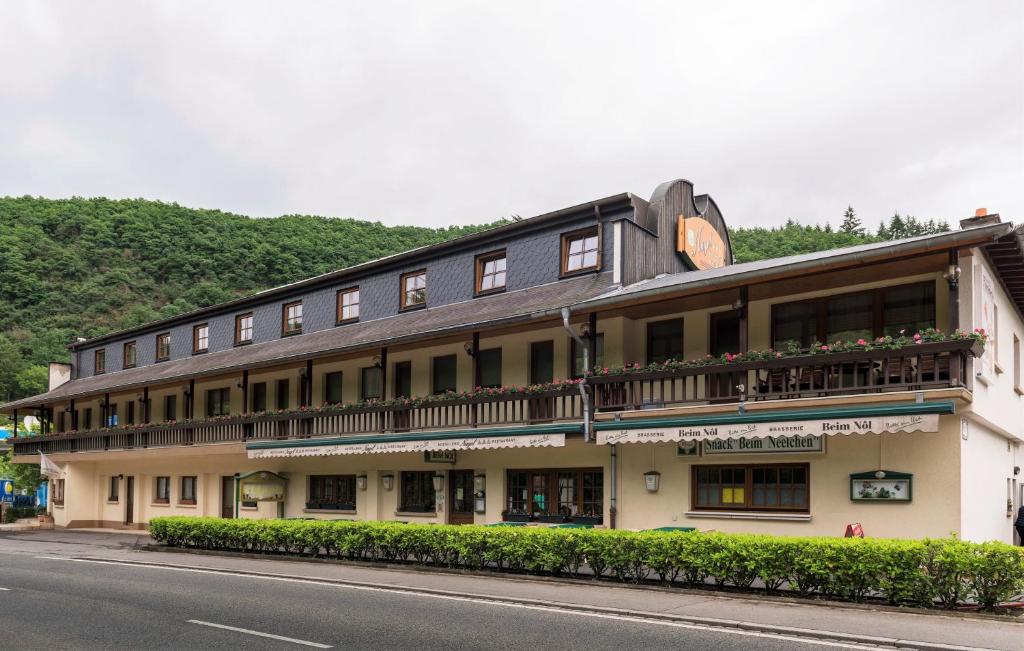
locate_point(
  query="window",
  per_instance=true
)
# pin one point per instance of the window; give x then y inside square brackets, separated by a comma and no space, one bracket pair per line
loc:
[218,402]
[542,362]
[332,388]
[188,491]
[403,379]
[58,492]
[259,397]
[112,415]
[291,319]
[129,412]
[371,383]
[200,338]
[489,367]
[87,418]
[112,491]
[282,394]
[444,374]
[784,487]
[664,340]
[577,356]
[1016,366]
[163,490]
[100,363]
[348,305]
[490,272]
[130,355]
[886,311]
[579,251]
[562,493]
[414,289]
[332,492]
[418,492]
[243,329]
[163,347]
[171,407]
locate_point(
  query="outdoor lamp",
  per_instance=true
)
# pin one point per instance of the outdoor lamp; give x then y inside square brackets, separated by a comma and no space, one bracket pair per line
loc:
[389,482]
[361,482]
[652,480]
[438,482]
[879,474]
[953,275]
[479,483]
[585,330]
[376,361]
[468,347]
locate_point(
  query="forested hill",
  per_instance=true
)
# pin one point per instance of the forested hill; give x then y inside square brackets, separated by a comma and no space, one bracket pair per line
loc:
[83,267]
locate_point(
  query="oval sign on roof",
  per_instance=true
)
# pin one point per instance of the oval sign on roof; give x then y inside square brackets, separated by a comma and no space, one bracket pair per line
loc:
[699,243]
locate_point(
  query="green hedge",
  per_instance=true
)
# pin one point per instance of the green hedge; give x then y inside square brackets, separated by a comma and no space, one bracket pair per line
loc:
[943,572]
[14,514]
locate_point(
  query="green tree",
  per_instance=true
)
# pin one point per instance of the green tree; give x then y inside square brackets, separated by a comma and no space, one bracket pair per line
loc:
[851,223]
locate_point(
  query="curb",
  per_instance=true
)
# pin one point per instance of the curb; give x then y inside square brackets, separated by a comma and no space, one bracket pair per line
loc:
[709,591]
[709,622]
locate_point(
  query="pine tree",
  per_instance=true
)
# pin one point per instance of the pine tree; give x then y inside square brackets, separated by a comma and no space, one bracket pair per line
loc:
[851,223]
[883,231]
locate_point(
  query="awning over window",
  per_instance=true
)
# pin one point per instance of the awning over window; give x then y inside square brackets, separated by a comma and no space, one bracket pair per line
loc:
[530,436]
[905,417]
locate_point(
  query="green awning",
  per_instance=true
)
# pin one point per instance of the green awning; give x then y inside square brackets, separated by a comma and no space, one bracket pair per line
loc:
[551,435]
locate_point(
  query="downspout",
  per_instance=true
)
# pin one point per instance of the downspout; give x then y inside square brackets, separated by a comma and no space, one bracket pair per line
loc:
[584,396]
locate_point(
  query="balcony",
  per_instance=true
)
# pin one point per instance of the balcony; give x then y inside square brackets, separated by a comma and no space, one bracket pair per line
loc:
[756,376]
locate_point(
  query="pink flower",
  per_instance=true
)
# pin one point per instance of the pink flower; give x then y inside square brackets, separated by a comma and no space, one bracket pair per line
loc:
[824,347]
[778,355]
[917,336]
[861,342]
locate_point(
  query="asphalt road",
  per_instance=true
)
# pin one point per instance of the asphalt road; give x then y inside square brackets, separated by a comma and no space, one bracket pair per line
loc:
[47,602]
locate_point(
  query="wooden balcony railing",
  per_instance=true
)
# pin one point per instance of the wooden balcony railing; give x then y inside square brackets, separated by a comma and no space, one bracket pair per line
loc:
[922,366]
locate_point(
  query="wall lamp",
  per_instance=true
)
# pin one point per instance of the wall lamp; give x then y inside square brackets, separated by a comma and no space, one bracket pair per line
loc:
[388,481]
[952,276]
[376,361]
[468,347]
[438,482]
[361,482]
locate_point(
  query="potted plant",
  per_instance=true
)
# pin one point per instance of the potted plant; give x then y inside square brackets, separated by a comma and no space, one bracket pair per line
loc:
[588,518]
[551,518]
[515,515]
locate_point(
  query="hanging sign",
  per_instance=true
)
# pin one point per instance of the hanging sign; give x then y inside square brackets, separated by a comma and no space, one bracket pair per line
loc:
[986,321]
[439,456]
[471,443]
[700,243]
[262,487]
[797,428]
[768,444]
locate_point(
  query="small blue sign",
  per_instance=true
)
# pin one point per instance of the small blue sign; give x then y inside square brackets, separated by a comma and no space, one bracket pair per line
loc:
[6,490]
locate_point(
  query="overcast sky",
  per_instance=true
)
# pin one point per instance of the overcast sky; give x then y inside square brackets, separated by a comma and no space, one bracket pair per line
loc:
[438,113]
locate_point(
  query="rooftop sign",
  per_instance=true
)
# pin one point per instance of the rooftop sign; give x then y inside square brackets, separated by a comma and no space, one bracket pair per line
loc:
[699,242]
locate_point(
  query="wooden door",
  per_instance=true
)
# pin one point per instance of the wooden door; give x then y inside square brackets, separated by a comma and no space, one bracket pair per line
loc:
[724,338]
[227,497]
[460,497]
[129,499]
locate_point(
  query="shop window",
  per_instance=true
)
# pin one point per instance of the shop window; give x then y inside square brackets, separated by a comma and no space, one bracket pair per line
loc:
[163,347]
[218,402]
[784,487]
[162,493]
[332,492]
[200,339]
[418,492]
[348,305]
[579,251]
[577,356]
[131,354]
[243,329]
[371,383]
[259,397]
[491,272]
[414,289]
[188,490]
[291,318]
[332,388]
[489,367]
[443,374]
[664,340]
[564,494]
[112,492]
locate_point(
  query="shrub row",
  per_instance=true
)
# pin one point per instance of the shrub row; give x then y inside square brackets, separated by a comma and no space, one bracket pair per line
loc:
[14,514]
[945,572]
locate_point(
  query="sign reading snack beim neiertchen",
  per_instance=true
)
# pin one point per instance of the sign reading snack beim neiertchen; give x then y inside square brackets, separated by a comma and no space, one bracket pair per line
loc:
[766,445]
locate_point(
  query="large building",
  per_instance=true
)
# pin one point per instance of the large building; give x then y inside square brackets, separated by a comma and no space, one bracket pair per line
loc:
[603,364]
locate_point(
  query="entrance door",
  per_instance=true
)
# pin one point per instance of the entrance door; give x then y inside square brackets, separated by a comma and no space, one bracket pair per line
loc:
[227,497]
[725,338]
[460,497]
[129,499]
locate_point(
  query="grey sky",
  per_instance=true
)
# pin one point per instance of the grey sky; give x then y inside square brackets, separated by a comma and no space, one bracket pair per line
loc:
[437,113]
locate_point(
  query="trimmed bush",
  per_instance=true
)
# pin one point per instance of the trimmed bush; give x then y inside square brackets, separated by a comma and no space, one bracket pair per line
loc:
[946,572]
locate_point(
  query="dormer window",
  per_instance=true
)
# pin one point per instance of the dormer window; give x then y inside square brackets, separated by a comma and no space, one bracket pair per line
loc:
[200,338]
[243,329]
[163,347]
[579,251]
[100,361]
[130,355]
[490,272]
[348,305]
[291,319]
[414,289]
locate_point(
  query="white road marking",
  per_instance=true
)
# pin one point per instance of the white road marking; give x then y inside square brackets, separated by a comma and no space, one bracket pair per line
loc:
[5,589]
[270,635]
[566,610]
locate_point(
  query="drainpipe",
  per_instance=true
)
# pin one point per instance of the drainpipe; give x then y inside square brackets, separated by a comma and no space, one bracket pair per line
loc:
[613,507]
[584,396]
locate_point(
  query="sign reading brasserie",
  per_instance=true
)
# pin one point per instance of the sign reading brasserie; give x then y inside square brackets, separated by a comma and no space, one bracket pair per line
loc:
[471,443]
[700,243]
[770,444]
[798,428]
